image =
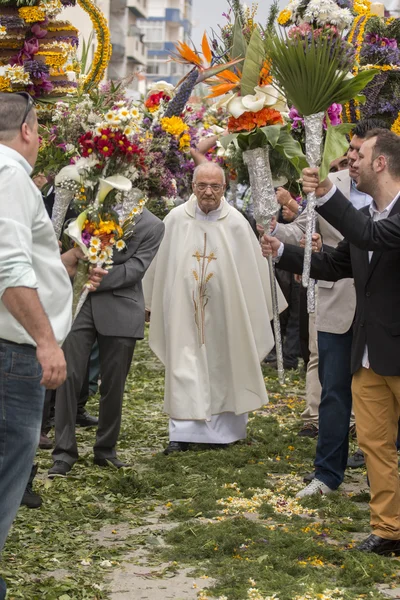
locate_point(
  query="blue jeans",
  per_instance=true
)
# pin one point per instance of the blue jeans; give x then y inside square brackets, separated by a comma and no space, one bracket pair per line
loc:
[335,409]
[21,407]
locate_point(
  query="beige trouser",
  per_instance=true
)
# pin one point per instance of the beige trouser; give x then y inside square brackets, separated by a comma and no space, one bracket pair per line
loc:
[376,401]
[313,386]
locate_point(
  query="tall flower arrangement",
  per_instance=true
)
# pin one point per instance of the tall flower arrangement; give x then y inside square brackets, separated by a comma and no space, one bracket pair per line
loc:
[256,126]
[38,51]
[377,46]
[312,63]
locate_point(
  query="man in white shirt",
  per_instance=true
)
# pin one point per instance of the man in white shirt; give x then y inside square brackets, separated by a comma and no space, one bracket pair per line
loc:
[375,357]
[35,307]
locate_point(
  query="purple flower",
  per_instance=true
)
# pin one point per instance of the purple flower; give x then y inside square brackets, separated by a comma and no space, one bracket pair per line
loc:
[86,237]
[335,114]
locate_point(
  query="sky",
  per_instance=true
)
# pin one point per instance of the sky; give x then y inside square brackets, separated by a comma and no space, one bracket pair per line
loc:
[208,14]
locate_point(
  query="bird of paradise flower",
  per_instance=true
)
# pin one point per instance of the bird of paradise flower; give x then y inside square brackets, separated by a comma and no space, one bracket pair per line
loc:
[200,296]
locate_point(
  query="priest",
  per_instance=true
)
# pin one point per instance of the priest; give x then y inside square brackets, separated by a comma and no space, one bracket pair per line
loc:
[208,292]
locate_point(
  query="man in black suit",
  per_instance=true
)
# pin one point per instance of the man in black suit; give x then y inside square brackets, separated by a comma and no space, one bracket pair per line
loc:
[376,329]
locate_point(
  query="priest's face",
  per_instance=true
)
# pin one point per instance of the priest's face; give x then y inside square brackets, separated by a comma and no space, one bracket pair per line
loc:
[209,187]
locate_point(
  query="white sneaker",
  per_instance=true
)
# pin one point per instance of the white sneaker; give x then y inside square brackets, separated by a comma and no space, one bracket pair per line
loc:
[315,487]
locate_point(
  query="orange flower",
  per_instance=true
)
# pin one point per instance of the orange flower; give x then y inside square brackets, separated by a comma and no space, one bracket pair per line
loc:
[267,116]
[265,75]
[250,120]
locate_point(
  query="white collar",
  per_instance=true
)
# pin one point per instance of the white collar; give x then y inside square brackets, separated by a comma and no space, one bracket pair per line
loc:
[373,209]
[211,212]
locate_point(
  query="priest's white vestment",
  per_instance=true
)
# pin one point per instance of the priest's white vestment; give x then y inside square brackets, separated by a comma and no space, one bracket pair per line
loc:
[208,290]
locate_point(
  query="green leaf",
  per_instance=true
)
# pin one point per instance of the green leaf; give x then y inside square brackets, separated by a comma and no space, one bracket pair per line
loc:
[239,46]
[291,149]
[227,139]
[272,133]
[336,145]
[253,63]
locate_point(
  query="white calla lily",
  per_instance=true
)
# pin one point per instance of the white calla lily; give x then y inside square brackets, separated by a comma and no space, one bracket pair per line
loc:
[235,107]
[74,231]
[224,100]
[115,182]
[254,103]
[270,93]
[70,172]
[266,95]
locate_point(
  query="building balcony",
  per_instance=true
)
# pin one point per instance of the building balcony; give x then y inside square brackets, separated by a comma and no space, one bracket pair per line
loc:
[173,15]
[138,7]
[136,50]
[118,51]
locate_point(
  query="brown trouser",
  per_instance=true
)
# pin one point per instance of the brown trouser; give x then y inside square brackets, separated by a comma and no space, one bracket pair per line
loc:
[376,402]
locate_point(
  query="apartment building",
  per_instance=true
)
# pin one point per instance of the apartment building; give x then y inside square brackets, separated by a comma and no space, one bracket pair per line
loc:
[129,51]
[167,22]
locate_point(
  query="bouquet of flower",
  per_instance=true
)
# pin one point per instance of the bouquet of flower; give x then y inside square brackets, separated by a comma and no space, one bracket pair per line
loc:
[101,230]
[312,64]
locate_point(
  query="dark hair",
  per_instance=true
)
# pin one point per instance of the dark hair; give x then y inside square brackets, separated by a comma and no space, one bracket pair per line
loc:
[366,125]
[388,145]
[13,107]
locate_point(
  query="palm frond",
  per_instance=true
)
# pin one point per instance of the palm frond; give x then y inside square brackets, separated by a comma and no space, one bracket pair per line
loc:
[311,72]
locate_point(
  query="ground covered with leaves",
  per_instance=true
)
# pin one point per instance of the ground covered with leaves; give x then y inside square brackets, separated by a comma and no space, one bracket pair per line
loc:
[226,516]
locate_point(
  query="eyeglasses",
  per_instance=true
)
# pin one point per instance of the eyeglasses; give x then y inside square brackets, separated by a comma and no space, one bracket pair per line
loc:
[29,105]
[216,187]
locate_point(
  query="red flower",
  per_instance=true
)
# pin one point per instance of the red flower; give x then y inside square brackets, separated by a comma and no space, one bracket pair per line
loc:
[87,143]
[154,100]
[105,147]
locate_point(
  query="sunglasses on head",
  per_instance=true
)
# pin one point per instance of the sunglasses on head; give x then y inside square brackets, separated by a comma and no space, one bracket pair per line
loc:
[29,105]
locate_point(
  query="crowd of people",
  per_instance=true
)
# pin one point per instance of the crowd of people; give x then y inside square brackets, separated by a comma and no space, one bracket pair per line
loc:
[201,280]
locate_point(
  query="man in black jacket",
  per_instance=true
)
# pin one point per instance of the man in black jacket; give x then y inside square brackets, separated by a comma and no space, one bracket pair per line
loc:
[376,330]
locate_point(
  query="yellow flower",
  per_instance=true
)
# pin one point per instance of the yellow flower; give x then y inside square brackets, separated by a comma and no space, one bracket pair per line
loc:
[31,14]
[284,16]
[184,142]
[109,117]
[5,84]
[93,250]
[120,245]
[174,125]
[396,125]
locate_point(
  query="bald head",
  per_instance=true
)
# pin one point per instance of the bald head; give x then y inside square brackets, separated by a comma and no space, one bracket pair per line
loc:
[209,186]
[209,168]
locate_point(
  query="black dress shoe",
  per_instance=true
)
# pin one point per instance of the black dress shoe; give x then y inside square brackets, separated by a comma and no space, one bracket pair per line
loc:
[30,498]
[83,419]
[45,442]
[378,545]
[110,462]
[308,430]
[176,447]
[356,460]
[59,469]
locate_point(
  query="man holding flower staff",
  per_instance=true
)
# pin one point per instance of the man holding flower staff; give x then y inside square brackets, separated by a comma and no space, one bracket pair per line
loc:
[375,351]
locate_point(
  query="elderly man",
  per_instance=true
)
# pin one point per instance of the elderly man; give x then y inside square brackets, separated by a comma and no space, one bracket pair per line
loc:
[35,307]
[375,361]
[209,295]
